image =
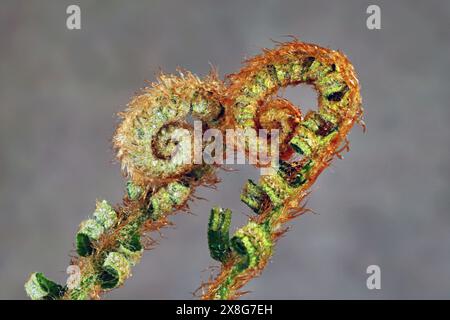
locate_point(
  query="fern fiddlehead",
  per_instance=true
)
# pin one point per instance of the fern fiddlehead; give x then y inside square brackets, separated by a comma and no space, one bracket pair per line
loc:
[316,137]
[161,182]
[162,176]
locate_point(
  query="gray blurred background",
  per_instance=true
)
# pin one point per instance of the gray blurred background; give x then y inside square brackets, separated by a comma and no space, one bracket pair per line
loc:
[387,203]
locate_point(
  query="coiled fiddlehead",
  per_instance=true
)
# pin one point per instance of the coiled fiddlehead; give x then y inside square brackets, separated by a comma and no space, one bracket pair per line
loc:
[152,120]
[315,137]
[161,182]
[162,179]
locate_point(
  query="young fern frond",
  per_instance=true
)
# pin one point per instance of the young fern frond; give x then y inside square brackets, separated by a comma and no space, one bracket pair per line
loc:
[161,181]
[315,137]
